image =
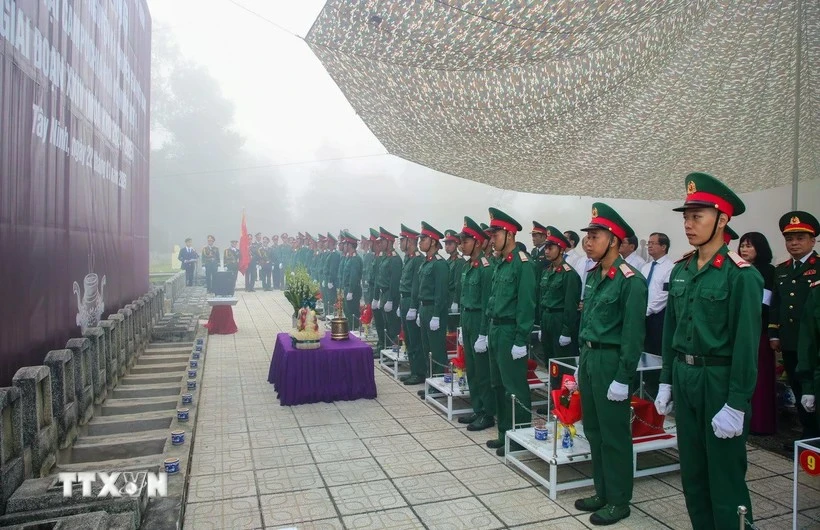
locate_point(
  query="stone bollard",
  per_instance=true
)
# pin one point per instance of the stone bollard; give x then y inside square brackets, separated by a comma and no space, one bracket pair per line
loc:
[83,388]
[12,467]
[160,303]
[127,336]
[119,346]
[98,368]
[63,396]
[39,434]
[112,375]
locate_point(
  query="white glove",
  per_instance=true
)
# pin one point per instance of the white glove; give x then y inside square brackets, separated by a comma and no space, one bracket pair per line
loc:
[454,308]
[460,338]
[280,265]
[617,391]
[663,403]
[728,422]
[481,344]
[330,285]
[564,340]
[323,283]
[411,314]
[388,306]
[518,351]
[808,402]
[434,324]
[575,374]
[374,305]
[418,320]
[539,334]
[349,297]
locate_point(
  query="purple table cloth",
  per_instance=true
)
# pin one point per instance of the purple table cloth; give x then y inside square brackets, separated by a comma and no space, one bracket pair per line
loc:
[338,371]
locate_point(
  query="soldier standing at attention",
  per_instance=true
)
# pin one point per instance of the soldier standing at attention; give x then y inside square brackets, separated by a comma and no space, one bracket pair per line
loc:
[388,286]
[408,312]
[231,259]
[210,260]
[476,281]
[367,266]
[187,257]
[331,274]
[792,279]
[433,300]
[511,310]
[560,294]
[250,274]
[455,265]
[263,259]
[375,294]
[808,349]
[343,268]
[613,324]
[539,260]
[353,281]
[711,336]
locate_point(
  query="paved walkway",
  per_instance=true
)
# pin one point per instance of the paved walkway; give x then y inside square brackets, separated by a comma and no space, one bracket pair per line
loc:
[390,463]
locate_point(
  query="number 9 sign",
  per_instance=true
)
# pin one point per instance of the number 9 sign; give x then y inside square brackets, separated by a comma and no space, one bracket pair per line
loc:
[810,462]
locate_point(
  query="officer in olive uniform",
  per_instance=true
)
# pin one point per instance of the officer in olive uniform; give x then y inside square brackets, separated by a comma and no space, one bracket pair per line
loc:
[343,268]
[408,285]
[379,245]
[250,273]
[791,288]
[388,285]
[432,300]
[231,259]
[808,349]
[353,281]
[476,281]
[455,265]
[613,327]
[559,295]
[511,310]
[367,266]
[711,336]
[210,260]
[331,275]
[265,267]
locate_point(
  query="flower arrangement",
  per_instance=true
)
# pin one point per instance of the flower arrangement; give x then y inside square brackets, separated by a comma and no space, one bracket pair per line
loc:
[302,291]
[307,333]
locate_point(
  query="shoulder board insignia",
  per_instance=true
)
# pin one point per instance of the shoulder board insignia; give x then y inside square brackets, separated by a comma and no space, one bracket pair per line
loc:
[626,270]
[740,262]
[815,284]
[686,256]
[787,263]
[523,255]
[567,267]
[485,262]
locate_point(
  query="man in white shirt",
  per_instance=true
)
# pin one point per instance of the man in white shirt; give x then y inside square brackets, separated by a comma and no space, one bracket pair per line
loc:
[571,256]
[628,247]
[584,266]
[657,273]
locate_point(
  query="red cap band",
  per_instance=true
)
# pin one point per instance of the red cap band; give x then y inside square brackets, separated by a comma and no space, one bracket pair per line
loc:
[720,203]
[384,235]
[799,227]
[408,235]
[469,231]
[509,227]
[614,228]
[539,230]
[430,234]
[553,239]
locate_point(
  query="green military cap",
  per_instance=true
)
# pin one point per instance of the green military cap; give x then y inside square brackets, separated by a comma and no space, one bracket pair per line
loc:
[538,228]
[485,227]
[705,191]
[521,246]
[501,221]
[729,235]
[384,234]
[347,237]
[556,237]
[374,234]
[330,237]
[799,222]
[451,236]
[408,233]
[308,236]
[429,231]
[473,229]
[604,217]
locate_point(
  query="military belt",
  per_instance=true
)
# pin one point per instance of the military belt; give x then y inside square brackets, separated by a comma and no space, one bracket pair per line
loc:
[470,309]
[601,345]
[704,360]
[502,321]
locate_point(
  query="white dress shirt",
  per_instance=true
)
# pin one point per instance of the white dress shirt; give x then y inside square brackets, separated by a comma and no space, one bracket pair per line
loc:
[635,260]
[657,296]
[585,265]
[574,260]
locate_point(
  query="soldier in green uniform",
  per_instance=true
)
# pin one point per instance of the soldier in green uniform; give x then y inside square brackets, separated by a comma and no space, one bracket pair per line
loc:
[511,310]
[538,258]
[367,266]
[230,259]
[343,269]
[210,260]
[432,300]
[331,274]
[559,295]
[352,284]
[710,340]
[388,285]
[791,288]
[375,294]
[808,349]
[408,312]
[263,260]
[476,281]
[487,246]
[455,265]
[613,327]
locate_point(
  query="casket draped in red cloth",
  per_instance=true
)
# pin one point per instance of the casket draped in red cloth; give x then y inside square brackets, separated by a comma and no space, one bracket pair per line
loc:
[221,321]
[567,414]
[647,424]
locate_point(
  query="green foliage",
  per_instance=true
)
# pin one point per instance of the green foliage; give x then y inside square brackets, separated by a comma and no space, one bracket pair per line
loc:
[302,291]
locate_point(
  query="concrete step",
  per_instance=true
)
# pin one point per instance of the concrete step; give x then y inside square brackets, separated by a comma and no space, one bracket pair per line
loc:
[159,368]
[150,379]
[113,407]
[145,360]
[115,448]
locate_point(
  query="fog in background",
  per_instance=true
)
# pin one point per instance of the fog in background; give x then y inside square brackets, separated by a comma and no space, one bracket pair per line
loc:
[244,116]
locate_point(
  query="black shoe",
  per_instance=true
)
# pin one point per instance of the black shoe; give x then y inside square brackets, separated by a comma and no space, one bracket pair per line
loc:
[500,451]
[590,504]
[421,393]
[404,378]
[414,380]
[609,514]
[495,443]
[484,421]
[468,419]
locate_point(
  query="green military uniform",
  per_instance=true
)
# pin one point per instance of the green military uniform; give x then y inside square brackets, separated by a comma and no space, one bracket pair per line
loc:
[559,295]
[263,260]
[808,347]
[538,258]
[343,264]
[409,285]
[612,334]
[511,310]
[455,264]
[489,253]
[331,275]
[367,268]
[375,295]
[352,284]
[710,341]
[388,287]
[210,260]
[476,283]
[791,288]
[432,302]
[230,259]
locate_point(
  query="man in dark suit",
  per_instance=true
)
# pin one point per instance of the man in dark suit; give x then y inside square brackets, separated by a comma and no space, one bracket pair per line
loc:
[188,256]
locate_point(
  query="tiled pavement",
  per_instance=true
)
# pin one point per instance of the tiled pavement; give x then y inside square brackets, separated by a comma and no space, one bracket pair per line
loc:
[392,462]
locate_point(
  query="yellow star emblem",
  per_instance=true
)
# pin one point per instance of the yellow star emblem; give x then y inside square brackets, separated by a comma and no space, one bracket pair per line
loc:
[794,220]
[691,188]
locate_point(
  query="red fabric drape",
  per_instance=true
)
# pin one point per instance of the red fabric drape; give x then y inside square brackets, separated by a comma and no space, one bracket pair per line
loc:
[244,247]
